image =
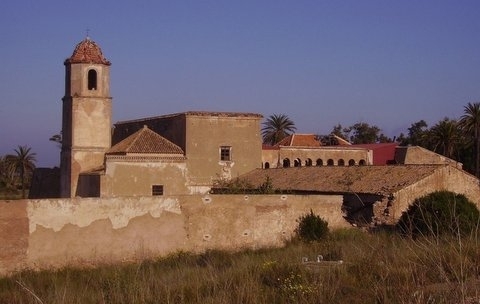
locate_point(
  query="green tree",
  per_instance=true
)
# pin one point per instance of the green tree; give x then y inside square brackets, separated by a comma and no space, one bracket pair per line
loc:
[276,128]
[382,138]
[440,213]
[363,133]
[445,136]
[338,130]
[24,163]
[470,124]
[7,174]
[417,134]
[311,227]
[57,138]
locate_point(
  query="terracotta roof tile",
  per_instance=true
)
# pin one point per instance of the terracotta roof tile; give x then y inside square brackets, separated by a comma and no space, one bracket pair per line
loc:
[87,51]
[300,140]
[341,141]
[363,179]
[145,141]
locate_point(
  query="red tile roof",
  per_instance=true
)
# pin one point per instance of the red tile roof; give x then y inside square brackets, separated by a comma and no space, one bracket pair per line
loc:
[269,147]
[87,51]
[380,180]
[145,141]
[300,140]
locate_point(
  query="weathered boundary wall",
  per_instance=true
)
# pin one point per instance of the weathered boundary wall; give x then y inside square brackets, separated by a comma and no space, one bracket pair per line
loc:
[58,232]
[447,178]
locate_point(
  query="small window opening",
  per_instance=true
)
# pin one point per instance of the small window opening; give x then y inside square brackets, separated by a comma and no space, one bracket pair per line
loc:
[341,162]
[157,189]
[308,162]
[92,80]
[297,162]
[225,153]
[319,162]
[330,162]
[286,163]
[351,162]
[267,165]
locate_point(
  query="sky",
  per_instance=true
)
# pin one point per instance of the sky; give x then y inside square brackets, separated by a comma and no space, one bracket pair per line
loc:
[322,63]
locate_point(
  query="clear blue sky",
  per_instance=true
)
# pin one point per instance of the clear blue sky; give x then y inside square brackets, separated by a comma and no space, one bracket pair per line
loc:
[387,63]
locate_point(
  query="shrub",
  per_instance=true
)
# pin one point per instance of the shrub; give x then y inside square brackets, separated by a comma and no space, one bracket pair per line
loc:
[311,227]
[440,213]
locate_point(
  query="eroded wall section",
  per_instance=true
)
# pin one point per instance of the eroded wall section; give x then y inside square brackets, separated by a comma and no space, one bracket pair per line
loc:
[58,232]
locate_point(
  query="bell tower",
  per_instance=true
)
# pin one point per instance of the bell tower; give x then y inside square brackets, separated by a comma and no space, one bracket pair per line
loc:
[86,115]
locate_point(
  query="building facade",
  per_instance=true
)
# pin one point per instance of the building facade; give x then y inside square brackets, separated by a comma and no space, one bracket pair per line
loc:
[175,154]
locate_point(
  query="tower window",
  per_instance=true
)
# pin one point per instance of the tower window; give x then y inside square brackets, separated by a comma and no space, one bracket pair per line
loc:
[92,80]
[225,153]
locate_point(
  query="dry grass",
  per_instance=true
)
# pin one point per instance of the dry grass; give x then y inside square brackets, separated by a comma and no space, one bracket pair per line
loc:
[376,268]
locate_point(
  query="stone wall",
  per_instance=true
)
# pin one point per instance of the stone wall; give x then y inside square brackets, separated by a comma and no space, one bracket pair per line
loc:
[349,155]
[130,177]
[57,232]
[416,155]
[207,133]
[447,178]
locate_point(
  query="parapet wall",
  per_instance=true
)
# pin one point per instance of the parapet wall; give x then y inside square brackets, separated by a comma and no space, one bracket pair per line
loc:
[49,233]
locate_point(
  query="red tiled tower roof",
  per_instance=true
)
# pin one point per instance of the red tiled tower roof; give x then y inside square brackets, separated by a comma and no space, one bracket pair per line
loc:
[87,51]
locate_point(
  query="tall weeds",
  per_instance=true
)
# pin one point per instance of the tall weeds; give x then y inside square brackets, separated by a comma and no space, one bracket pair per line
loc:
[376,268]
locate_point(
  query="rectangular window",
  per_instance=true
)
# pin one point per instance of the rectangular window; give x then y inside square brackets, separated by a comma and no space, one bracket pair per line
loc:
[157,189]
[225,153]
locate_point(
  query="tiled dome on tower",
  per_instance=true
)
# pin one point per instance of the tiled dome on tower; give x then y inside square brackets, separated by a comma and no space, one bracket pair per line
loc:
[87,51]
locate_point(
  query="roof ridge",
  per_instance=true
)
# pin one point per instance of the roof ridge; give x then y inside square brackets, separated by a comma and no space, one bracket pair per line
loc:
[135,138]
[145,140]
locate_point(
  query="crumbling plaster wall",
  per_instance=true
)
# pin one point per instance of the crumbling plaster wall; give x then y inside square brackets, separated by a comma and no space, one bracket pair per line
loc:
[13,235]
[58,232]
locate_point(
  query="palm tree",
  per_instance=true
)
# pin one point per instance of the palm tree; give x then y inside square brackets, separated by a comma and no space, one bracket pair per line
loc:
[445,135]
[23,163]
[7,174]
[470,124]
[277,127]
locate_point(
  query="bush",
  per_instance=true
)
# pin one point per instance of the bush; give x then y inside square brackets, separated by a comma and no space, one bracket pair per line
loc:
[311,227]
[440,213]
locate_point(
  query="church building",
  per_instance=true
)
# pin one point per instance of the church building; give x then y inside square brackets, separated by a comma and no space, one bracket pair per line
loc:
[181,153]
[175,154]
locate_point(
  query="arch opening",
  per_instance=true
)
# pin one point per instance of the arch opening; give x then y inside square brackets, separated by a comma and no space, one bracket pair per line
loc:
[92,80]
